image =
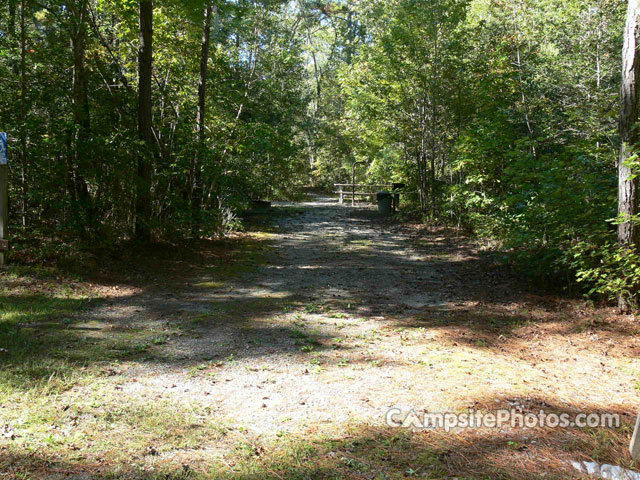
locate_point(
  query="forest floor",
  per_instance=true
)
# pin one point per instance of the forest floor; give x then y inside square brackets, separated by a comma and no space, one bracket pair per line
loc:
[277,353]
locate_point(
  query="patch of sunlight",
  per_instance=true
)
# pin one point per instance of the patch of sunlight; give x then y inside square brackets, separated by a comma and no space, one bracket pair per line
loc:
[267,296]
[262,235]
[209,284]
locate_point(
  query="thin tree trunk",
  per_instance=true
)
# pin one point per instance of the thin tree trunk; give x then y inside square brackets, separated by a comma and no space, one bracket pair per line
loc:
[520,66]
[598,57]
[145,126]
[316,71]
[351,37]
[627,183]
[434,114]
[202,104]
[23,112]
[78,44]
[81,118]
[12,18]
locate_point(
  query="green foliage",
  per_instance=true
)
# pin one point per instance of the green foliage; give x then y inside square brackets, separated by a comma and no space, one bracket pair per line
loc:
[608,269]
[256,102]
[499,116]
[502,116]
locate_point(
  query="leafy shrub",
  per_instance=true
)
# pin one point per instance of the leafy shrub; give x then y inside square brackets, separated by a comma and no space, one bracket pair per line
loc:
[608,269]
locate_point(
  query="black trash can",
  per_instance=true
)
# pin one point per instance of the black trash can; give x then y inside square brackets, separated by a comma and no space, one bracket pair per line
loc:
[385,200]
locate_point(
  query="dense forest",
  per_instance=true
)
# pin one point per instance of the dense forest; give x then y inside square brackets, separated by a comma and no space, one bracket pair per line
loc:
[162,119]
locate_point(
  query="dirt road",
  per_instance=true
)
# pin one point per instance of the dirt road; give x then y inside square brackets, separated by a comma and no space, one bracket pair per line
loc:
[337,315]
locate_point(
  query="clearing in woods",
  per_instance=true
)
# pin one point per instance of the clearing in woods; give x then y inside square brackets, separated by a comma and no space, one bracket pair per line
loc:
[275,354]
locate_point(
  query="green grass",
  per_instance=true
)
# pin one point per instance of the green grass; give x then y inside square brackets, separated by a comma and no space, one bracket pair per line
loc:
[37,314]
[102,426]
[47,344]
[172,442]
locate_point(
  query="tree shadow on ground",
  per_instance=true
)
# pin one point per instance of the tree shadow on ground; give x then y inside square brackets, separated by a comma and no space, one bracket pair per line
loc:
[366,451]
[362,452]
[45,338]
[351,263]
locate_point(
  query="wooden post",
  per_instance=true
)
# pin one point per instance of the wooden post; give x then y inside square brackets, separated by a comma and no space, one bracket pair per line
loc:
[4,196]
[353,184]
[634,447]
[341,195]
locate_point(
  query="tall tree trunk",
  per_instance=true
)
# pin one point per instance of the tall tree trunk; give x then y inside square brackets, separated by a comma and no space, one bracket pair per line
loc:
[627,183]
[23,111]
[79,13]
[145,126]
[350,37]
[12,18]
[520,67]
[200,121]
[435,80]
[81,118]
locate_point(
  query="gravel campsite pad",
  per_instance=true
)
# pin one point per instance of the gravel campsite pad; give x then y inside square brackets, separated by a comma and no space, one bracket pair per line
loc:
[321,331]
[325,318]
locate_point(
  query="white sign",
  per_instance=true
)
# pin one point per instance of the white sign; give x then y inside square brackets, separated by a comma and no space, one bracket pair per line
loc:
[3,148]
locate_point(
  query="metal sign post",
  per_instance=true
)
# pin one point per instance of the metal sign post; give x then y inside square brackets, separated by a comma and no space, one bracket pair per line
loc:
[4,196]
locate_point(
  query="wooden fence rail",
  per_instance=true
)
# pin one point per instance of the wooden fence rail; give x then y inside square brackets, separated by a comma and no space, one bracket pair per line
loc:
[358,190]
